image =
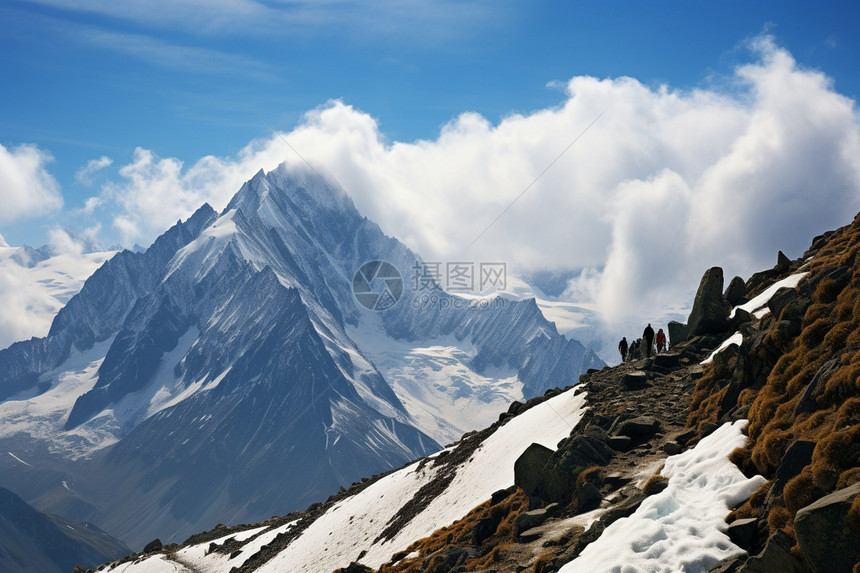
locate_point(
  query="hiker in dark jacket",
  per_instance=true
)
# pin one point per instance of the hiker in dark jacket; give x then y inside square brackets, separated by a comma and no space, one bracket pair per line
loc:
[648,335]
[622,348]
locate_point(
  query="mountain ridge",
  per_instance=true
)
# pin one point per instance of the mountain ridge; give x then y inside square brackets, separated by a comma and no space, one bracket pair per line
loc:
[786,496]
[224,351]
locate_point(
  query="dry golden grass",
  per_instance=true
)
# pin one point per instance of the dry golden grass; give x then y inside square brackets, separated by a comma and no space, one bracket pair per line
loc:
[753,506]
[460,533]
[655,484]
[830,328]
[541,562]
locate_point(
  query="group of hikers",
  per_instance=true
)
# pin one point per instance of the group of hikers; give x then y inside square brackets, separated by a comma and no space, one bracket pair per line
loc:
[643,345]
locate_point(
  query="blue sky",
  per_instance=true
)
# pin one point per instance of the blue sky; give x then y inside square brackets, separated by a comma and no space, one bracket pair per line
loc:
[82,80]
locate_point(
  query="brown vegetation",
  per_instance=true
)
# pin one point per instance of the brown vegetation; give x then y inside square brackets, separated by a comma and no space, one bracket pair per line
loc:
[827,344]
[431,550]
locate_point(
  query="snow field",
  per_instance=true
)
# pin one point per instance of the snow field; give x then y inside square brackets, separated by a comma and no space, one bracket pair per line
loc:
[353,525]
[681,528]
[736,338]
[758,305]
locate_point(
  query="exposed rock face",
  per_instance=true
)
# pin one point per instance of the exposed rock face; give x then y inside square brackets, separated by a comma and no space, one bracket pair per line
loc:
[826,540]
[743,532]
[775,557]
[710,314]
[736,292]
[528,468]
[797,457]
[677,332]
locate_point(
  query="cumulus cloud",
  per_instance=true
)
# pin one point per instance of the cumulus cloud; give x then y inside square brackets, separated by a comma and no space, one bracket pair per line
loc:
[85,173]
[26,187]
[667,183]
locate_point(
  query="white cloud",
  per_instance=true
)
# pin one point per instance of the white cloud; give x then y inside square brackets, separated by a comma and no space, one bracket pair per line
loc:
[666,184]
[33,296]
[85,173]
[26,187]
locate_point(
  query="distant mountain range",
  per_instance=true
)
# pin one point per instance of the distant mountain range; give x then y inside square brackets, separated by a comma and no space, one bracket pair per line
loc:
[33,542]
[253,361]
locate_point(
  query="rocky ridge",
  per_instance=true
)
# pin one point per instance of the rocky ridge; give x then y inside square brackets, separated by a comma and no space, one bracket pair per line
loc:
[780,349]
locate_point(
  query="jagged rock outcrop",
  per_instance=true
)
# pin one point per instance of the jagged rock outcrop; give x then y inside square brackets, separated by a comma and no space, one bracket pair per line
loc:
[827,540]
[710,313]
[736,291]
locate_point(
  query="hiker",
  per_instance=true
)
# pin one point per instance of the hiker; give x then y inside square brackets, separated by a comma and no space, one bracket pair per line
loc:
[622,348]
[633,352]
[648,335]
[661,341]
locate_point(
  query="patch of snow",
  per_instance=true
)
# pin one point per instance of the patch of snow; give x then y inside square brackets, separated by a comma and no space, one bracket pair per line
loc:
[203,252]
[19,459]
[43,415]
[154,564]
[758,305]
[736,338]
[354,524]
[431,378]
[681,528]
[200,560]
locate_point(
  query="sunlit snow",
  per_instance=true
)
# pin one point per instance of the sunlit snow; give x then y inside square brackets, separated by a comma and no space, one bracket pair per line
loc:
[683,527]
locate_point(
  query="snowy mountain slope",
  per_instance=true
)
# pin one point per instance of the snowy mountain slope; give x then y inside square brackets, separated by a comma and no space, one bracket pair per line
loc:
[228,372]
[354,528]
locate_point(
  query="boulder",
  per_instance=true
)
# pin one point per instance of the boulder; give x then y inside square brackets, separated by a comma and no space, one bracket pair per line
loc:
[743,532]
[710,314]
[677,332]
[707,429]
[672,448]
[642,426]
[557,480]
[667,359]
[825,539]
[776,556]
[783,263]
[588,497]
[355,568]
[154,545]
[728,565]
[516,407]
[500,495]
[780,299]
[736,292]
[529,519]
[620,443]
[484,529]
[635,380]
[528,468]
[796,457]
[819,380]
[740,317]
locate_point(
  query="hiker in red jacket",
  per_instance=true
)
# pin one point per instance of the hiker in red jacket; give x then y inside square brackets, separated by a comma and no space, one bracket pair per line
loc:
[661,341]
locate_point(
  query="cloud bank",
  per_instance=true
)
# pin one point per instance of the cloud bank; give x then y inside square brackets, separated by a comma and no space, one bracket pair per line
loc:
[666,184]
[26,187]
